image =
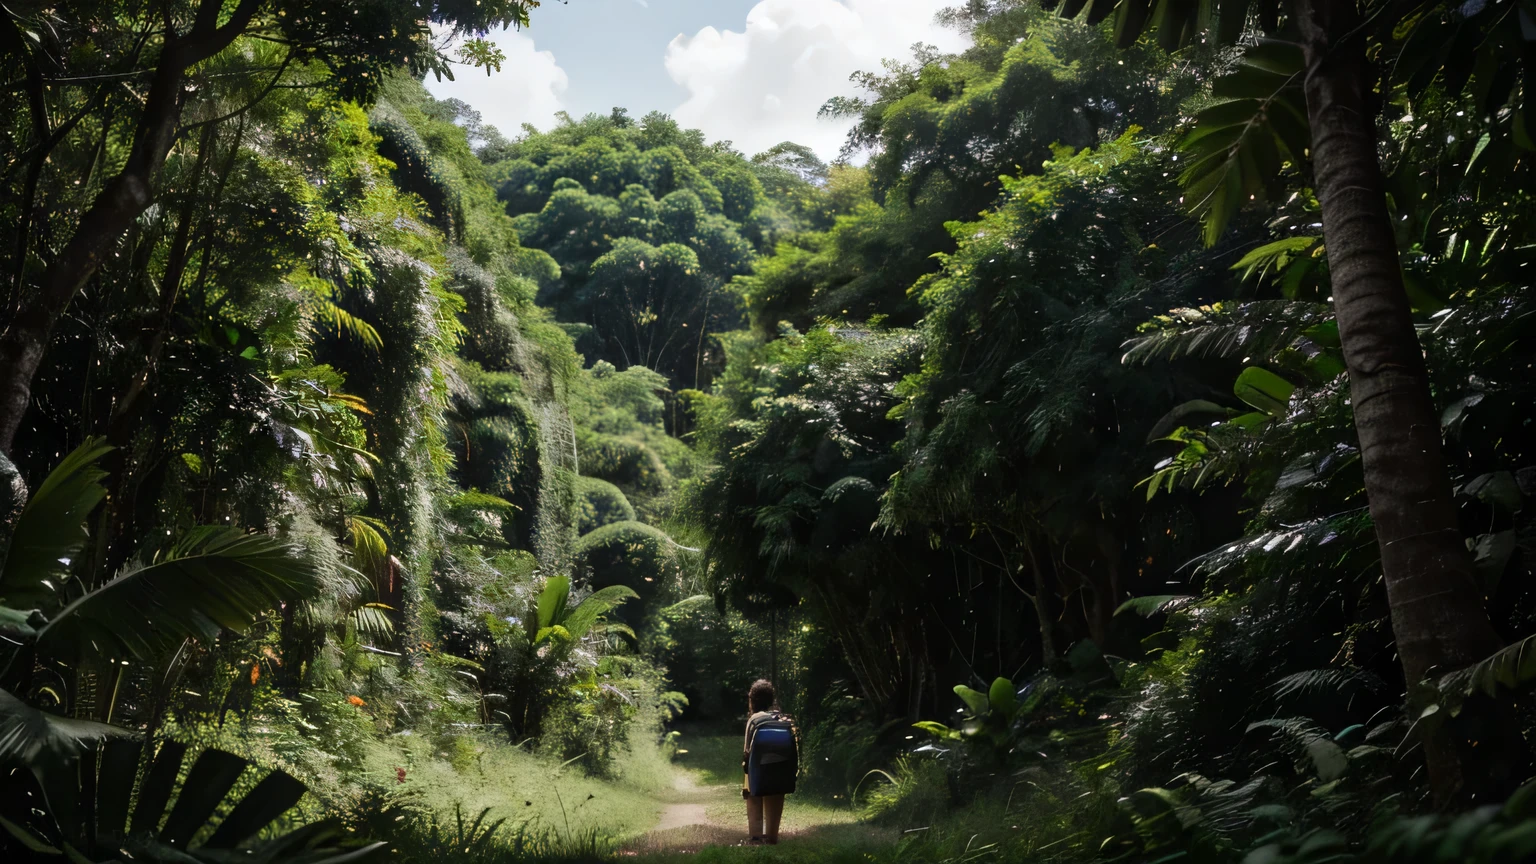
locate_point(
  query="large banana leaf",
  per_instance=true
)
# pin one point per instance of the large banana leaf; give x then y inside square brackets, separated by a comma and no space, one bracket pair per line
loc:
[214,577]
[51,529]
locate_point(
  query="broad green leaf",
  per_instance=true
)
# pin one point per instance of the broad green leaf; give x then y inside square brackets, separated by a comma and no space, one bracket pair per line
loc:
[18,624]
[938,730]
[1181,414]
[1155,604]
[1498,487]
[1325,334]
[1275,257]
[1477,151]
[1328,759]
[1250,421]
[51,529]
[552,600]
[975,700]
[1002,699]
[1264,390]
[1490,555]
[215,577]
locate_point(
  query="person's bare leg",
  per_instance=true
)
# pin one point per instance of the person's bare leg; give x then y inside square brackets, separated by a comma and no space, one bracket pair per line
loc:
[773,811]
[754,817]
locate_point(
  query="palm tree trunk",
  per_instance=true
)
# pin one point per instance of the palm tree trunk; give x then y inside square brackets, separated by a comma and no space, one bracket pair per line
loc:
[1438,614]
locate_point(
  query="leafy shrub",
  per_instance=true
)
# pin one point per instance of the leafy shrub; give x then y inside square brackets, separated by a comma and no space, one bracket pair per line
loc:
[591,724]
[624,462]
[916,791]
[627,553]
[600,503]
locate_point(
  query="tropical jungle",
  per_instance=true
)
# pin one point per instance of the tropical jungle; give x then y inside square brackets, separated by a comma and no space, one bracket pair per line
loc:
[1122,451]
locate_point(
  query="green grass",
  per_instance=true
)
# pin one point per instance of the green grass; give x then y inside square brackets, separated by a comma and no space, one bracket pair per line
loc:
[714,758]
[556,813]
[527,789]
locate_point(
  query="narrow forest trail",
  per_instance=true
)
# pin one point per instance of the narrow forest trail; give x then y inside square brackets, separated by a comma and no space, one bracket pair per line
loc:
[703,810]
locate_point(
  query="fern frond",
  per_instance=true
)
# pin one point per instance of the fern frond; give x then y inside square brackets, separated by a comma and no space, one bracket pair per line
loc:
[1314,681]
[1309,741]
[347,324]
[1290,540]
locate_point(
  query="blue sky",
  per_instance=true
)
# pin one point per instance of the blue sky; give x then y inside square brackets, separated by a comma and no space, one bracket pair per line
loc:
[612,49]
[751,71]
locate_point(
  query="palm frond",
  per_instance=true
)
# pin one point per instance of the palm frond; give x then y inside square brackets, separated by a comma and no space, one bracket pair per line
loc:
[372,620]
[1258,329]
[1240,144]
[214,577]
[1513,669]
[1307,536]
[688,604]
[1317,681]
[50,531]
[369,547]
[1289,259]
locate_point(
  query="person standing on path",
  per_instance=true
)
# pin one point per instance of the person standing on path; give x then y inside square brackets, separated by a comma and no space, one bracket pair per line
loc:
[763,812]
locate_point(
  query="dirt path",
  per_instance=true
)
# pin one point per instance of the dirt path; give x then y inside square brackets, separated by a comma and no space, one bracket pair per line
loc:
[704,812]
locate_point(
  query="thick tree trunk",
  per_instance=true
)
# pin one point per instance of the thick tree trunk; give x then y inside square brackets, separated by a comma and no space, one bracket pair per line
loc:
[1438,614]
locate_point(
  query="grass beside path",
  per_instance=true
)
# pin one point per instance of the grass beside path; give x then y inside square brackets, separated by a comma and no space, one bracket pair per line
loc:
[530,791]
[689,808]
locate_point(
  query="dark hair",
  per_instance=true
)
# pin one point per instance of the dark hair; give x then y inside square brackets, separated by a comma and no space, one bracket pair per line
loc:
[760,697]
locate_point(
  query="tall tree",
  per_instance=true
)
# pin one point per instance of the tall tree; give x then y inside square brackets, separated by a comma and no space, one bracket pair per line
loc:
[1438,614]
[164,43]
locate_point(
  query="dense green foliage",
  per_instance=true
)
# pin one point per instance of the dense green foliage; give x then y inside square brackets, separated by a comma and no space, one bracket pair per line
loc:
[1089,440]
[1017,446]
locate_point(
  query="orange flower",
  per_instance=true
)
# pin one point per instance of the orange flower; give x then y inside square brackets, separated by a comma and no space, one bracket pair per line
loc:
[356,700]
[255,673]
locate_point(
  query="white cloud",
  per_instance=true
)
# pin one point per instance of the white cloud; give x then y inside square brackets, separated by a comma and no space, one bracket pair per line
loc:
[765,84]
[528,89]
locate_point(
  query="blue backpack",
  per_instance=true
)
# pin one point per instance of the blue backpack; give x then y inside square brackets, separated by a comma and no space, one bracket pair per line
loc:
[773,759]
